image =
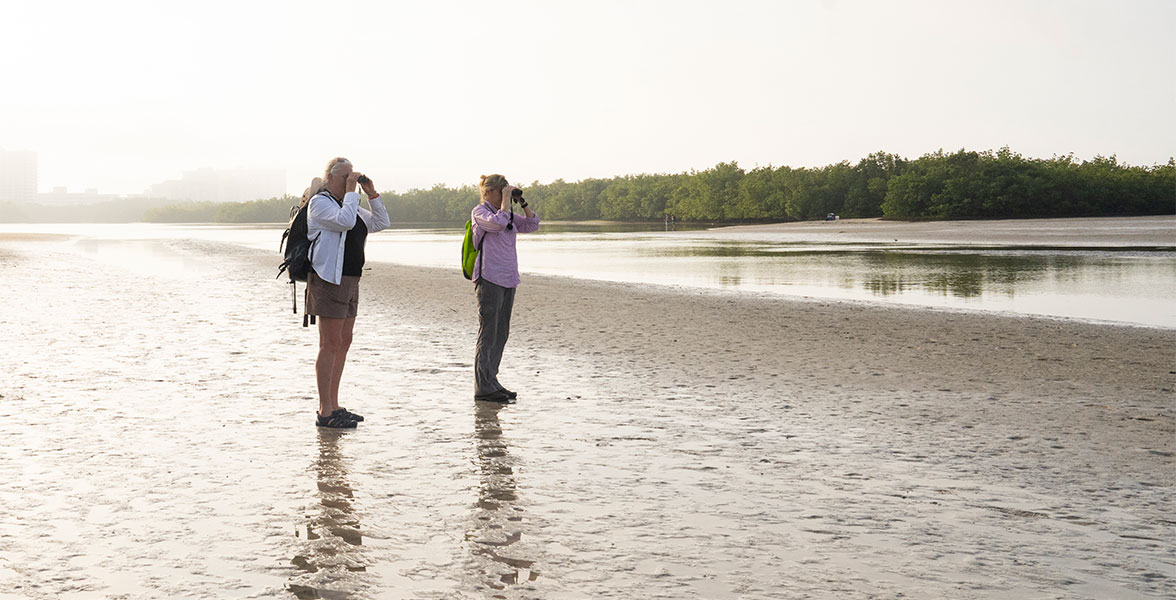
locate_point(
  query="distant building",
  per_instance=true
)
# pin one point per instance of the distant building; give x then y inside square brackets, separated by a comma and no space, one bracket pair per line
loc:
[18,176]
[220,185]
[60,197]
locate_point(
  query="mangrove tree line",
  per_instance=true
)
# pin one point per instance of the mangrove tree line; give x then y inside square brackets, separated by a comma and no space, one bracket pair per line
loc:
[960,185]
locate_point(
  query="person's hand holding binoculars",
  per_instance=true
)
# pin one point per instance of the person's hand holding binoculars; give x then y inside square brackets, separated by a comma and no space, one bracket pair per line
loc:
[369,187]
[506,195]
[364,182]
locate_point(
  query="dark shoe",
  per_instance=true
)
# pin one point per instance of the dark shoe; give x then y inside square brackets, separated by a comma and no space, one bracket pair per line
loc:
[334,421]
[348,414]
[509,394]
[498,396]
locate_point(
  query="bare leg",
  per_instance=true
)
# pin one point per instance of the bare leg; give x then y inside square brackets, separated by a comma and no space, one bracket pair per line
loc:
[330,343]
[340,359]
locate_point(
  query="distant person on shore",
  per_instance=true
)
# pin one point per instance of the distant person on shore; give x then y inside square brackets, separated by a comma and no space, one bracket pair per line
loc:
[496,275]
[338,227]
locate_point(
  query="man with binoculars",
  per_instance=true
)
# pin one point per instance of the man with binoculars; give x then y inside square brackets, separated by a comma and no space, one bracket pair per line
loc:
[496,275]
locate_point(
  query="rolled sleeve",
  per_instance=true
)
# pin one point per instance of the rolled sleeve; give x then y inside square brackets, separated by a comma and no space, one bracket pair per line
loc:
[528,224]
[377,218]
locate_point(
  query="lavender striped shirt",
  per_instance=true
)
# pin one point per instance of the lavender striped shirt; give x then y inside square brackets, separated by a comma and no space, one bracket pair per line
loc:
[498,261]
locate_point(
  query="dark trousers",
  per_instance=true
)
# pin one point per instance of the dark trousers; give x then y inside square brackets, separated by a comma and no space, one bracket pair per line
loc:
[494,305]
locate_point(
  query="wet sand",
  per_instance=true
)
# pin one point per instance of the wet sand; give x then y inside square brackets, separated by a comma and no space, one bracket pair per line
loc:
[667,443]
[1140,232]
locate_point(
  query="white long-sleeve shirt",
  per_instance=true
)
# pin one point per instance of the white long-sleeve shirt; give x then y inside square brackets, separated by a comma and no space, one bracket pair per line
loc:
[327,223]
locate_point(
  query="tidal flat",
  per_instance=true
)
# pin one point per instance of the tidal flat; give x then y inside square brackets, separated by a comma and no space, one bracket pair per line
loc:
[157,402]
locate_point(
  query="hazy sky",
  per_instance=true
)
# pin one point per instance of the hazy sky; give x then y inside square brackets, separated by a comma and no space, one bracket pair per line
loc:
[119,95]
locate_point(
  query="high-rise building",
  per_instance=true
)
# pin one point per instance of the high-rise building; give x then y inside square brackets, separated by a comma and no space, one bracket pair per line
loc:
[217,185]
[18,176]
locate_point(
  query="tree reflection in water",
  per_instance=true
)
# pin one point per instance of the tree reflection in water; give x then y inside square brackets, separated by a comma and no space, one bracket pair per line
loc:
[496,528]
[332,553]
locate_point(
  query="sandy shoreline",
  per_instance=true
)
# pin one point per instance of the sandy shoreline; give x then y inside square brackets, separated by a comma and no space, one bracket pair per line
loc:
[667,443]
[849,343]
[1013,369]
[1055,408]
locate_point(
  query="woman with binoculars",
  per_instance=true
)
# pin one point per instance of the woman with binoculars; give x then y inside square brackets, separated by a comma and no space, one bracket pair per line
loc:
[496,275]
[338,227]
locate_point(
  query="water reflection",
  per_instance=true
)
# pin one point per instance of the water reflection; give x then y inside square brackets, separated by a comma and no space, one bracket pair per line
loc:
[332,549]
[497,524]
[959,275]
[895,270]
[963,275]
[1106,283]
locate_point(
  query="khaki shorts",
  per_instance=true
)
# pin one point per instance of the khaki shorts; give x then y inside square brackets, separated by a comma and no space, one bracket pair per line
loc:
[325,299]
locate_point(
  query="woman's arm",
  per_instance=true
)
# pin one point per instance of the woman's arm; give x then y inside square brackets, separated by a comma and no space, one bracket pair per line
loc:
[325,213]
[529,223]
[377,218]
[489,220]
[530,220]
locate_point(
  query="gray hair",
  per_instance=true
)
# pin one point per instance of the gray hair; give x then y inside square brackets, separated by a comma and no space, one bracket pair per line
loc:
[335,166]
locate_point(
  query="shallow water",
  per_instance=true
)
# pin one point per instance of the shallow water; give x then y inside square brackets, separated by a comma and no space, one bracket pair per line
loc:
[1095,283]
[158,443]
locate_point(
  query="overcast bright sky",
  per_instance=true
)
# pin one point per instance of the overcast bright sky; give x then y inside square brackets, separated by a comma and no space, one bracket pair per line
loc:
[119,95]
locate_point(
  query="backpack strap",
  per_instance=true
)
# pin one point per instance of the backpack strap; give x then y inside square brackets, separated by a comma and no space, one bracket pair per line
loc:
[306,303]
[478,247]
[328,194]
[306,299]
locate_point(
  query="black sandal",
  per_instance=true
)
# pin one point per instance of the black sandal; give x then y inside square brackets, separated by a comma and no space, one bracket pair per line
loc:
[348,414]
[334,421]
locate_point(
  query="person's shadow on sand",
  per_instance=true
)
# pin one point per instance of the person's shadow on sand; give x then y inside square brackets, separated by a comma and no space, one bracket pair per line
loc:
[333,537]
[496,525]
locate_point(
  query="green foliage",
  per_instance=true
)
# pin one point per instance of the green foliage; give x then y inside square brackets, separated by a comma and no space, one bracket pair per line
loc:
[437,204]
[638,197]
[868,183]
[763,193]
[570,201]
[962,185]
[709,195]
[1003,184]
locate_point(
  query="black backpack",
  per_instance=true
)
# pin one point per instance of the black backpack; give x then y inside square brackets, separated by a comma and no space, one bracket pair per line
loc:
[296,261]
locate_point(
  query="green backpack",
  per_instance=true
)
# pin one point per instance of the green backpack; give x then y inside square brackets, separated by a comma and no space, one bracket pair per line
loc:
[469,252]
